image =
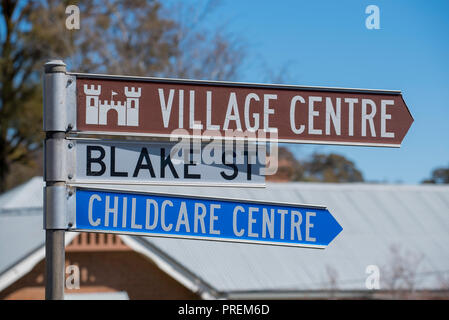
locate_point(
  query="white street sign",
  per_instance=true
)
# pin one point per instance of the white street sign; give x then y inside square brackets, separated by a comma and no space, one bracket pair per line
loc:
[147,162]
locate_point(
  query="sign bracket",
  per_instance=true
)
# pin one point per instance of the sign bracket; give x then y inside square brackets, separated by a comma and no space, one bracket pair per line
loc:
[55,204]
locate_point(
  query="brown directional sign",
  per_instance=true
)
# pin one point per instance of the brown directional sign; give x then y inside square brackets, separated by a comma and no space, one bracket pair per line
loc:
[294,114]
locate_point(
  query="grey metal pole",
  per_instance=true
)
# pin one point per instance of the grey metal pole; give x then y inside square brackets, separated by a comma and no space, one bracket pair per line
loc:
[54,264]
[54,176]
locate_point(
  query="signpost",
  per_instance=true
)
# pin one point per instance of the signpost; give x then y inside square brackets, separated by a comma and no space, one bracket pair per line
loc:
[146,162]
[293,114]
[80,105]
[54,176]
[177,216]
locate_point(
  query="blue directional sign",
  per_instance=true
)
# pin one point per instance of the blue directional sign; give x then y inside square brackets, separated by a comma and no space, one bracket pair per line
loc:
[203,218]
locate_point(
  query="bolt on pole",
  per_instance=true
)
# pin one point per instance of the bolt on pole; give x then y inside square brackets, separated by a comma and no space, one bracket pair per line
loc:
[54,191]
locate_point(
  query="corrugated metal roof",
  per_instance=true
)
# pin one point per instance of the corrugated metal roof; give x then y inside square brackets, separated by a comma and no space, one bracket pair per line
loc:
[24,196]
[374,218]
[20,234]
[21,222]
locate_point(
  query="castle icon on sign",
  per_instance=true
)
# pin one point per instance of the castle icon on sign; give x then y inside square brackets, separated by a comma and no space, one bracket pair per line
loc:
[97,111]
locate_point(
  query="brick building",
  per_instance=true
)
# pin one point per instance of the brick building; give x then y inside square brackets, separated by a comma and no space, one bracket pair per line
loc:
[105,264]
[392,227]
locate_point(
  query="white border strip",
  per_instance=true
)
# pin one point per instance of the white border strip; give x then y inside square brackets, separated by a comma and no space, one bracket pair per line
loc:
[75,182]
[230,83]
[220,138]
[195,197]
[159,235]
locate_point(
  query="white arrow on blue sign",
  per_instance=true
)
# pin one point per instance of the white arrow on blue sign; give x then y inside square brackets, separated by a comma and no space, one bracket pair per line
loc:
[177,216]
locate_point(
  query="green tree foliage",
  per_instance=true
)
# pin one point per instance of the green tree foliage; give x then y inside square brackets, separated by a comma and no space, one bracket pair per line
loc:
[318,168]
[332,168]
[289,168]
[439,176]
[134,37]
[20,94]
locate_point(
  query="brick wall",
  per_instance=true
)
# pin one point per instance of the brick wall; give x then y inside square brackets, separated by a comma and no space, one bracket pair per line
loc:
[104,268]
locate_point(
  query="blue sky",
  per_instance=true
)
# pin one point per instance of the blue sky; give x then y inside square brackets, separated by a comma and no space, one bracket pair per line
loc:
[326,43]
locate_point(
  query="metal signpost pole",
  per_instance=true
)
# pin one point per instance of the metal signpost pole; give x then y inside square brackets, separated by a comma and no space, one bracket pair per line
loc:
[55,177]
[76,105]
[54,265]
